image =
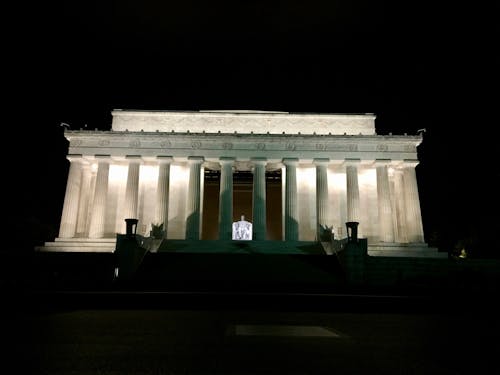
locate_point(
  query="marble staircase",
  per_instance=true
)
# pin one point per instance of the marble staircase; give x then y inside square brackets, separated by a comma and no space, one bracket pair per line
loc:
[85,245]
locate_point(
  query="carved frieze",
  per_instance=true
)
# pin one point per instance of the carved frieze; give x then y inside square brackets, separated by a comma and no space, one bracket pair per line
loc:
[135,143]
[343,147]
[320,146]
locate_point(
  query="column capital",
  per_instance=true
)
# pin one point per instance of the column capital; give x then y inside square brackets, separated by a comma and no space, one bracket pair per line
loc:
[226,160]
[409,163]
[133,158]
[290,161]
[321,161]
[164,159]
[195,159]
[103,158]
[78,158]
[258,160]
[382,162]
[352,162]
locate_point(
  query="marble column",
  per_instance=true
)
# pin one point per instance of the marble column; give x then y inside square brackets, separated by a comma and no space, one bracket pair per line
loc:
[202,195]
[291,211]
[401,235]
[321,194]
[132,187]
[83,207]
[384,201]
[93,178]
[162,192]
[412,202]
[259,198]
[226,198]
[98,216]
[69,215]
[193,200]
[352,189]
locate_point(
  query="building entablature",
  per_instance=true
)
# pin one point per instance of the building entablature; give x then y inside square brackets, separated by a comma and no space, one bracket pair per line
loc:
[242,147]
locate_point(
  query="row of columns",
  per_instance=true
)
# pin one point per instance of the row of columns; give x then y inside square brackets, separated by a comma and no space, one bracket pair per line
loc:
[407,227]
[77,196]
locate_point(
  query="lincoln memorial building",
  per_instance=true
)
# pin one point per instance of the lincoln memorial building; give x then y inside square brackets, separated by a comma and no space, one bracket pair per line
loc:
[291,175]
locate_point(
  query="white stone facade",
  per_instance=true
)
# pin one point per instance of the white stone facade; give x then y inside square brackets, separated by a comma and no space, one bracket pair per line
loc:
[335,168]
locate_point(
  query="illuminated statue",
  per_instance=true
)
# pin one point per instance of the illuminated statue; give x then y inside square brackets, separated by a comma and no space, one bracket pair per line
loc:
[242,230]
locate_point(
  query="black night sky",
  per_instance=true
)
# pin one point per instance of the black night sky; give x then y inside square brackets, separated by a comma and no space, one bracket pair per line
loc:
[414,64]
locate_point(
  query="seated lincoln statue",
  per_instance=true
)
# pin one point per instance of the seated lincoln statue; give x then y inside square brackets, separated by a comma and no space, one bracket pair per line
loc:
[242,230]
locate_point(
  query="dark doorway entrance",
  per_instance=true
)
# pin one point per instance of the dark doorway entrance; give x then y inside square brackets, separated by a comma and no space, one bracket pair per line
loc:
[242,202]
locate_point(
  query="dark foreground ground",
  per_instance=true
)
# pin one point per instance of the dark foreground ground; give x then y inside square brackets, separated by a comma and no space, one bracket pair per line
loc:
[227,333]
[76,320]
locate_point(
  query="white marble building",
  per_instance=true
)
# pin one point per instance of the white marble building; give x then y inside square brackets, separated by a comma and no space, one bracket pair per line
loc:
[151,166]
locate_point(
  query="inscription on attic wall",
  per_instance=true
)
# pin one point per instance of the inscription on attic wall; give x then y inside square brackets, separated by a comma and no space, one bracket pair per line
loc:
[244,123]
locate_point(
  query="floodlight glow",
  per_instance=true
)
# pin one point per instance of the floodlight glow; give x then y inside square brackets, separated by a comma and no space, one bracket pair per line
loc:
[118,173]
[368,177]
[306,176]
[148,173]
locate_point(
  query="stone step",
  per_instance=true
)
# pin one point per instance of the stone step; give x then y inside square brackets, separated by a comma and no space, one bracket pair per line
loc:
[415,250]
[229,246]
[98,245]
[99,240]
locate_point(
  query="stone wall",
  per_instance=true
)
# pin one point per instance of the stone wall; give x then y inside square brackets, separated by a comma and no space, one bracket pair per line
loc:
[419,274]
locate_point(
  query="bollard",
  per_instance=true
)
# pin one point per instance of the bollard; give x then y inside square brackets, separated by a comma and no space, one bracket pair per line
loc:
[352,231]
[131,227]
